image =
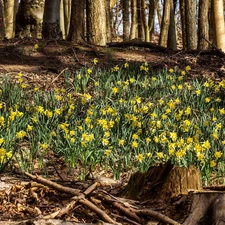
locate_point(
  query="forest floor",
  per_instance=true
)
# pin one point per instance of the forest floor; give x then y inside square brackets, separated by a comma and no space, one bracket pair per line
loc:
[45,64]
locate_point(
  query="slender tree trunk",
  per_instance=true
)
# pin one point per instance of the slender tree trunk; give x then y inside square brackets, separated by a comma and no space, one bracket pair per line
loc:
[134,21]
[151,17]
[211,23]
[158,10]
[67,14]
[96,26]
[145,26]
[2,24]
[76,31]
[218,10]
[203,25]
[165,24]
[139,20]
[51,20]
[191,24]
[183,23]
[9,12]
[62,22]
[126,24]
[108,22]
[172,37]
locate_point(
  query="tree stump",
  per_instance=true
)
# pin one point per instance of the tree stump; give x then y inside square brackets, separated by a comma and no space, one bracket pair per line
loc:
[177,192]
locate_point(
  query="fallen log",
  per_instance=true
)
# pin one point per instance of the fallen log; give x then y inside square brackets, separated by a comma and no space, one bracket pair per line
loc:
[138,43]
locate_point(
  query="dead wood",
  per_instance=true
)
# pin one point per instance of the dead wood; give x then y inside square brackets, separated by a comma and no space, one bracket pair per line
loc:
[78,196]
[156,215]
[138,43]
[54,185]
[125,210]
[39,221]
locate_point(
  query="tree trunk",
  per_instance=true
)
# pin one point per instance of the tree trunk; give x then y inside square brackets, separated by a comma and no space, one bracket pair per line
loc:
[67,14]
[76,31]
[2,25]
[183,24]
[141,33]
[151,17]
[51,20]
[191,24]
[144,22]
[108,22]
[172,38]
[96,22]
[203,25]
[165,24]
[218,10]
[9,13]
[29,18]
[211,23]
[134,20]
[126,24]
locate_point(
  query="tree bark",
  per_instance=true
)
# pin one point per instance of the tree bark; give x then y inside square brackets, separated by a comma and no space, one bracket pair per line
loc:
[29,18]
[191,32]
[126,24]
[218,10]
[203,25]
[96,22]
[134,20]
[51,20]
[183,24]
[76,32]
[9,13]
[151,17]
[172,37]
[2,25]
[165,24]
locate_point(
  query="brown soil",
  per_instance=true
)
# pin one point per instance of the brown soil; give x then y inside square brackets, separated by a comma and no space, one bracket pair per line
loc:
[20,201]
[52,57]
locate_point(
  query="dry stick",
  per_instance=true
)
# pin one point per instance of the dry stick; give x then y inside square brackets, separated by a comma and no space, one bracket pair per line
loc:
[58,75]
[54,185]
[90,188]
[156,215]
[124,210]
[80,197]
[98,211]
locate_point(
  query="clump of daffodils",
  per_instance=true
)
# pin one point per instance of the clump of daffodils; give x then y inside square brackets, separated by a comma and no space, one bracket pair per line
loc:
[123,117]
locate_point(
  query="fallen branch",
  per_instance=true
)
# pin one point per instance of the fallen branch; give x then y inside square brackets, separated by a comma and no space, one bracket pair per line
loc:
[138,43]
[156,215]
[125,210]
[78,196]
[54,185]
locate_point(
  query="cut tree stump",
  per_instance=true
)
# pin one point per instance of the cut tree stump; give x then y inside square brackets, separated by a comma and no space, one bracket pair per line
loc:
[177,192]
